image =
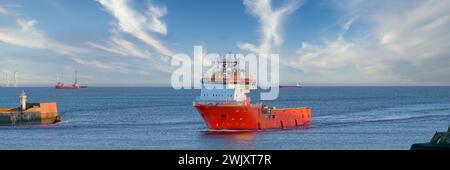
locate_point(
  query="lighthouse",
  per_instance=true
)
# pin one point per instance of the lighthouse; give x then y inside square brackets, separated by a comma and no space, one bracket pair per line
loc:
[23,100]
[30,113]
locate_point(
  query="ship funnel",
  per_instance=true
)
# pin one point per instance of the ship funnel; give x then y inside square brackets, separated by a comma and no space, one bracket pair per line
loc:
[23,100]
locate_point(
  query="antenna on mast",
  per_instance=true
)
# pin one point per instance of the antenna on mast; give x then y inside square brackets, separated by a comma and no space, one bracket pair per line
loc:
[76,77]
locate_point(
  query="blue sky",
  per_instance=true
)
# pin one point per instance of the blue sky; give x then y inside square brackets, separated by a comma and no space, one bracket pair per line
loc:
[129,42]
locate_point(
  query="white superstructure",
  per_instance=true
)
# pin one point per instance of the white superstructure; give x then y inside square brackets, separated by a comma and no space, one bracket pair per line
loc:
[227,84]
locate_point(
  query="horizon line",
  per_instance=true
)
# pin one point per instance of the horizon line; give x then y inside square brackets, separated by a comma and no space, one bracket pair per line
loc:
[330,85]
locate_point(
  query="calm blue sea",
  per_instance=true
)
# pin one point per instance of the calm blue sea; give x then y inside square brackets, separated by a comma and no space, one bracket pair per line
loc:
[163,118]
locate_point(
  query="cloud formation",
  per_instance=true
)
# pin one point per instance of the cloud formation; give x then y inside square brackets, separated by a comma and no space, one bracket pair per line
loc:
[24,34]
[3,10]
[155,13]
[26,25]
[417,33]
[123,47]
[271,24]
[136,24]
[139,25]
[96,64]
[404,41]
[399,44]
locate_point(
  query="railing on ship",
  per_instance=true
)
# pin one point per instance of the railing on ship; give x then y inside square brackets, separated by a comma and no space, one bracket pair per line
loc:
[227,102]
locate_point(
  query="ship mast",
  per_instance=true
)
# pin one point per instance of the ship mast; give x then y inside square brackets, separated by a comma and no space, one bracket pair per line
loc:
[76,77]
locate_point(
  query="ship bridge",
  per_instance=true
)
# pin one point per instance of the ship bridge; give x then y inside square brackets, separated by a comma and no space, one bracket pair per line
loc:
[228,83]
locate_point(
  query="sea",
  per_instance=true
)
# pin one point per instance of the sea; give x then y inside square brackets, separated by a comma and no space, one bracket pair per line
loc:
[162,118]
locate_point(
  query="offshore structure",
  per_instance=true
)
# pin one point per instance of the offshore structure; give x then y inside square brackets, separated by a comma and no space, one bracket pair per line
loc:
[11,79]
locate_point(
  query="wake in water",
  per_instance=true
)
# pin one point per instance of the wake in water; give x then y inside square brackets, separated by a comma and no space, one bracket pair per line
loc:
[386,114]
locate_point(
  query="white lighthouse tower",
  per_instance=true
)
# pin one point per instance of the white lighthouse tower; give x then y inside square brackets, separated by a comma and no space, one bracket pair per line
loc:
[23,100]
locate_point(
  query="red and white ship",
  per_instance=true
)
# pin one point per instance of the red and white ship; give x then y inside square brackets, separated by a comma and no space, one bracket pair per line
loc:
[75,85]
[229,108]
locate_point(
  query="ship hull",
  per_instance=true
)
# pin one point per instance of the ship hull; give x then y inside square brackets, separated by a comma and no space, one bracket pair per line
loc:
[290,86]
[67,87]
[248,117]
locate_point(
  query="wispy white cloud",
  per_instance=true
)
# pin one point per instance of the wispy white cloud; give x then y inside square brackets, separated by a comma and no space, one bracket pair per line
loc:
[132,33]
[124,67]
[155,13]
[135,23]
[26,25]
[26,35]
[341,61]
[27,39]
[122,47]
[139,25]
[418,33]
[346,26]
[3,10]
[33,39]
[95,63]
[271,23]
[398,40]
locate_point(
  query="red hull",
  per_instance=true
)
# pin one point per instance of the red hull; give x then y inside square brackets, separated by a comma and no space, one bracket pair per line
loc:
[244,116]
[67,87]
[290,86]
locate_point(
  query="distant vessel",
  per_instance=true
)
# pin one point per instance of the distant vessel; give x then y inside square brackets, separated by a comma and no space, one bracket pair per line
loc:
[75,85]
[230,108]
[29,113]
[296,86]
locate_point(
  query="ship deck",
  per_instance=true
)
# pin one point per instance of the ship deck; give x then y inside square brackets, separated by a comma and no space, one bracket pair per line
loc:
[291,108]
